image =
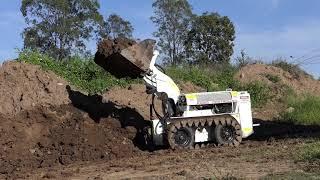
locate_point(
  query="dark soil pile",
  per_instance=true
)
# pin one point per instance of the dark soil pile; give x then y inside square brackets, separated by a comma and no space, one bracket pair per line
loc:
[24,86]
[44,123]
[107,47]
[109,58]
[50,136]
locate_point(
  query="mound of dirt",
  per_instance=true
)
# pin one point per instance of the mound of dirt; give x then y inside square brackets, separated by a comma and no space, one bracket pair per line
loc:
[50,136]
[44,123]
[261,72]
[278,81]
[24,86]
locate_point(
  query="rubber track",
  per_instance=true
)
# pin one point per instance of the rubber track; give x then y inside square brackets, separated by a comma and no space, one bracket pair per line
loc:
[195,122]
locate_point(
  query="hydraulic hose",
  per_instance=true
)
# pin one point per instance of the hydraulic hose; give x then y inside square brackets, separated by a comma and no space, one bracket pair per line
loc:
[166,115]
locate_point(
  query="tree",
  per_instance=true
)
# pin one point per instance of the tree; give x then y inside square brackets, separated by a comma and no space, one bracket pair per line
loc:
[172,18]
[118,27]
[210,39]
[60,27]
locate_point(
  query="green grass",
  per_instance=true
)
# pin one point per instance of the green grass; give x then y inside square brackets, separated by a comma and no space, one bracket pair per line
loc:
[80,72]
[305,110]
[210,78]
[259,92]
[192,74]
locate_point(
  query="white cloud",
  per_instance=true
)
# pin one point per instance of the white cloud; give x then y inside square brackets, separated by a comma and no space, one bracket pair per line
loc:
[290,40]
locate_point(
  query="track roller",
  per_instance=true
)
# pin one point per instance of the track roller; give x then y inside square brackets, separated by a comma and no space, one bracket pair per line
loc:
[228,132]
[180,136]
[225,130]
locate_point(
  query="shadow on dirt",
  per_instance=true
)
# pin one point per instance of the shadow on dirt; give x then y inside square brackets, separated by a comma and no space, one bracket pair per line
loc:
[100,111]
[283,130]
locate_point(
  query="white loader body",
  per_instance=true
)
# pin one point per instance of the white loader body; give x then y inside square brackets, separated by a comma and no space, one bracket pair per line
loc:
[232,106]
[241,112]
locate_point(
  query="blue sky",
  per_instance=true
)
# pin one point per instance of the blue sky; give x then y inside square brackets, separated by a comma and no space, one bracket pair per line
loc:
[266,29]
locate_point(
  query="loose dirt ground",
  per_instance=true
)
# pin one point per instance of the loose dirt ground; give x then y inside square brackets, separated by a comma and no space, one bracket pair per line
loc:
[253,160]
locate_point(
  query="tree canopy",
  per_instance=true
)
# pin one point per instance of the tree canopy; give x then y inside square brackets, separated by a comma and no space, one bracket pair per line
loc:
[118,27]
[210,39]
[171,17]
[60,27]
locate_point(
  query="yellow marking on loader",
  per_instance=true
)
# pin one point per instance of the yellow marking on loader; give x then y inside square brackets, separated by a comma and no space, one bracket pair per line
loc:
[247,130]
[234,93]
[191,96]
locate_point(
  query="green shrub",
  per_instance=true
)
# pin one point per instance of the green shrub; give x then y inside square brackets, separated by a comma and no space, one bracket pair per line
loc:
[293,69]
[303,110]
[210,78]
[80,72]
[273,78]
[259,92]
[192,74]
[225,78]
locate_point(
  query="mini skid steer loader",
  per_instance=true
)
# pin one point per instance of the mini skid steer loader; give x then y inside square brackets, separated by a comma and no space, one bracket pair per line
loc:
[187,121]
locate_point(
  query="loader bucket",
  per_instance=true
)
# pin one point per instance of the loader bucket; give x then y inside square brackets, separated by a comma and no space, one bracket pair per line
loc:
[128,59]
